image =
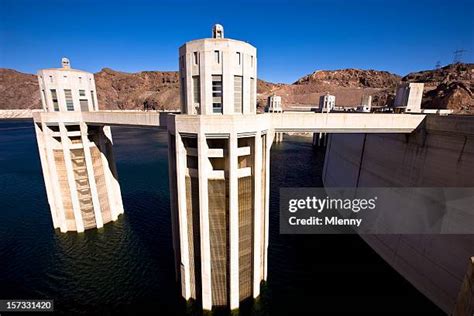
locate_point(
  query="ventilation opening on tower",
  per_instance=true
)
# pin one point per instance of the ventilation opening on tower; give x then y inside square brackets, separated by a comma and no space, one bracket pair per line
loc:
[217,31]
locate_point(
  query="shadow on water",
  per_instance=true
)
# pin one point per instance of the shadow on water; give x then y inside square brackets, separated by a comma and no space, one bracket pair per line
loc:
[127,267]
[325,274]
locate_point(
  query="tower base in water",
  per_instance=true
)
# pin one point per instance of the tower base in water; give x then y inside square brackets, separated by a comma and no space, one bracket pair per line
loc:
[78,170]
[219,183]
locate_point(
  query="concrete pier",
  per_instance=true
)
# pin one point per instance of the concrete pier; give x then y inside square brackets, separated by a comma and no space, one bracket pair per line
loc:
[320,139]
[76,159]
[274,106]
[219,151]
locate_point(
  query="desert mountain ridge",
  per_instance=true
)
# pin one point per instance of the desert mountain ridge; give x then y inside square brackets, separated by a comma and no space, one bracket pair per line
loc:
[450,87]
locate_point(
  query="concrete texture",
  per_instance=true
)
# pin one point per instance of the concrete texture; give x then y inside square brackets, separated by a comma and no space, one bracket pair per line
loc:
[218,147]
[327,103]
[76,158]
[440,153]
[16,114]
[408,97]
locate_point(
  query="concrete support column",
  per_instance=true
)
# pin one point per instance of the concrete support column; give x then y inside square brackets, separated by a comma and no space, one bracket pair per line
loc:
[258,213]
[173,203]
[40,138]
[206,82]
[117,202]
[113,167]
[278,137]
[54,180]
[326,158]
[227,82]
[319,139]
[182,213]
[71,179]
[90,174]
[234,221]
[267,201]
[108,178]
[204,222]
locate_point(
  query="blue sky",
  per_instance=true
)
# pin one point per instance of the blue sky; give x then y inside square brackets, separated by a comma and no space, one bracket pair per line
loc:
[292,38]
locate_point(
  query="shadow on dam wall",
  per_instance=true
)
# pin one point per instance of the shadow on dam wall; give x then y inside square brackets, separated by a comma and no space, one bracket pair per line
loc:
[323,274]
[440,153]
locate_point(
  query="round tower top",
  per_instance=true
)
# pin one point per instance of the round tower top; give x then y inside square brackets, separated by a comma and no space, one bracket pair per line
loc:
[217,31]
[66,64]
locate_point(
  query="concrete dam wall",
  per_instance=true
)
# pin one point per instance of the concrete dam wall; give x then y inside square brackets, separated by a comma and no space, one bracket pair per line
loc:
[440,153]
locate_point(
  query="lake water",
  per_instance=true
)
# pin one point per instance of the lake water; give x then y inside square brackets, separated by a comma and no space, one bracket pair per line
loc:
[127,266]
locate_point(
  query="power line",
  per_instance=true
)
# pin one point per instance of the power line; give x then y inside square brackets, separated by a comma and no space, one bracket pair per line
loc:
[457,58]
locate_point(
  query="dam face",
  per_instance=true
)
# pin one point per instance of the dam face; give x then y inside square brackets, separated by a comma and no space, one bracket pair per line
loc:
[440,153]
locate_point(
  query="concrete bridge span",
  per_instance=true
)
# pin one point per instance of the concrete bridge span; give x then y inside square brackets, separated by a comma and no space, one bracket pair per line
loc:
[278,122]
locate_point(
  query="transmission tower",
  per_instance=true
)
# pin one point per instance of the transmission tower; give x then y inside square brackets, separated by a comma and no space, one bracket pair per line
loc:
[438,64]
[458,55]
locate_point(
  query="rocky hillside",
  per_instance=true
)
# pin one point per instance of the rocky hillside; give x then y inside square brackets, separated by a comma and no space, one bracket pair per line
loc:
[448,87]
[348,85]
[18,90]
[115,90]
[352,78]
[143,90]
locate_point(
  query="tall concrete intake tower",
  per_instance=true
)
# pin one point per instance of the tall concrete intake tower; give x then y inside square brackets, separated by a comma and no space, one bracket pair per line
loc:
[76,158]
[219,175]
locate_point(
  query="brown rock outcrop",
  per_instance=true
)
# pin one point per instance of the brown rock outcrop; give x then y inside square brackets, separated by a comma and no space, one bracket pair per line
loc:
[353,78]
[18,90]
[450,87]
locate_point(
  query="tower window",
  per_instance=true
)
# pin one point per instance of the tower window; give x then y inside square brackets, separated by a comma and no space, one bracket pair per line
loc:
[239,58]
[251,61]
[196,91]
[217,56]
[238,104]
[84,105]
[93,99]
[196,58]
[44,98]
[54,97]
[83,101]
[216,93]
[69,102]
[51,79]
[252,94]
